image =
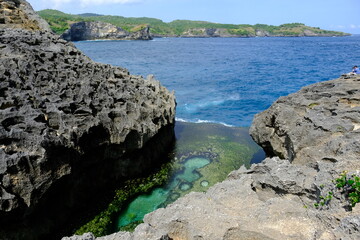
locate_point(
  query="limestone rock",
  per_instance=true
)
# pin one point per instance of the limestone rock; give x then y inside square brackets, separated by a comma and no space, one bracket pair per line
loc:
[100,30]
[53,95]
[19,14]
[320,122]
[62,115]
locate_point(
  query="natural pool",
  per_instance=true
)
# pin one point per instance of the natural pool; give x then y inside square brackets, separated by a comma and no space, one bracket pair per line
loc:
[204,155]
[181,181]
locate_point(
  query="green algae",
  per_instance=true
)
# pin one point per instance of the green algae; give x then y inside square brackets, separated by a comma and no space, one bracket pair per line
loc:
[204,155]
[103,224]
[158,197]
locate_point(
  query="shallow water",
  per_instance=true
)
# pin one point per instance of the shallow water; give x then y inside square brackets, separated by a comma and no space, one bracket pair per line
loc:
[158,197]
[204,155]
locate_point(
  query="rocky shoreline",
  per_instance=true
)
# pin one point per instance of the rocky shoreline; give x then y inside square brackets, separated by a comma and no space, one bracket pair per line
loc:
[313,138]
[70,127]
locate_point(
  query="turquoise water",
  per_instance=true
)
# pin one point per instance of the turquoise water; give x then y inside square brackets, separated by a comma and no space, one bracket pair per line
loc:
[181,180]
[203,156]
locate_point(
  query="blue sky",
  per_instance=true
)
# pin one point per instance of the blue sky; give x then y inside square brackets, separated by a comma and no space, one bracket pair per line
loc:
[339,15]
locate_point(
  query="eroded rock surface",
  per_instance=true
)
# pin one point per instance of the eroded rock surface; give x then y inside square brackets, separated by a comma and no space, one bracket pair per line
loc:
[319,122]
[60,111]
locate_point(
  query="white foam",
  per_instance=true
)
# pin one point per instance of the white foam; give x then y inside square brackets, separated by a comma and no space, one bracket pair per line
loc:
[203,121]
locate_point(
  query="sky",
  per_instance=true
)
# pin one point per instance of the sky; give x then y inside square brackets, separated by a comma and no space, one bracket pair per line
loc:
[337,15]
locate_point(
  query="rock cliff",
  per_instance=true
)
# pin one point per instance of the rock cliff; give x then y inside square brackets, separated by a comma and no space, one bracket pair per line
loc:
[222,32]
[81,31]
[19,14]
[69,128]
[313,136]
[319,122]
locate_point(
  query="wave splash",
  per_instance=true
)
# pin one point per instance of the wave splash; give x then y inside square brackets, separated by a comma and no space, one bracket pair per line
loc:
[203,121]
[194,107]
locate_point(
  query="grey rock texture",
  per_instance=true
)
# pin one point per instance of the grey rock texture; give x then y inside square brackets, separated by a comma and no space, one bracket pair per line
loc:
[69,128]
[62,115]
[99,30]
[320,122]
[51,94]
[19,14]
[275,199]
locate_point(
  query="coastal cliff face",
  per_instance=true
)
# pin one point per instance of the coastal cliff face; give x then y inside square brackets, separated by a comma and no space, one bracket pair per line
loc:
[313,136]
[19,14]
[69,128]
[222,32]
[99,30]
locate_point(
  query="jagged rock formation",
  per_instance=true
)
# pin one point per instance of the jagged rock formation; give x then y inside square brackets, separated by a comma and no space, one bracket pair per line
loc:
[19,14]
[316,135]
[69,127]
[320,122]
[81,31]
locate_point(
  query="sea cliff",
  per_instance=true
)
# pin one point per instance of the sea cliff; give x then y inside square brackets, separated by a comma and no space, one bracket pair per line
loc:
[82,31]
[69,127]
[60,22]
[301,191]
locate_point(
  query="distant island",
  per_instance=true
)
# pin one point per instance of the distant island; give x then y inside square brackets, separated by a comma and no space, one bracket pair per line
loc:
[61,22]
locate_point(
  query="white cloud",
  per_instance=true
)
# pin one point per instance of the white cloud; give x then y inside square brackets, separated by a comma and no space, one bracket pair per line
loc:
[353,26]
[99,2]
[58,3]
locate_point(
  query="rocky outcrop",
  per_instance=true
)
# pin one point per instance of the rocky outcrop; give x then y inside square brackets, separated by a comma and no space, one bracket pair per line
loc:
[320,122]
[313,136]
[70,127]
[250,32]
[207,32]
[81,31]
[19,14]
[59,109]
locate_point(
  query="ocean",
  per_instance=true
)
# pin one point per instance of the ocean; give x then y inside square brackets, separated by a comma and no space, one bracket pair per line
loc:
[229,80]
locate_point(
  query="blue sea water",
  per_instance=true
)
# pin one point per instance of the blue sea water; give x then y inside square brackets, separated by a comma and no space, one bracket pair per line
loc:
[229,80]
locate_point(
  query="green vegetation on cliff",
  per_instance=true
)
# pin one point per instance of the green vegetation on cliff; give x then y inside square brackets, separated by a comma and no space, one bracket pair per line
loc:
[59,22]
